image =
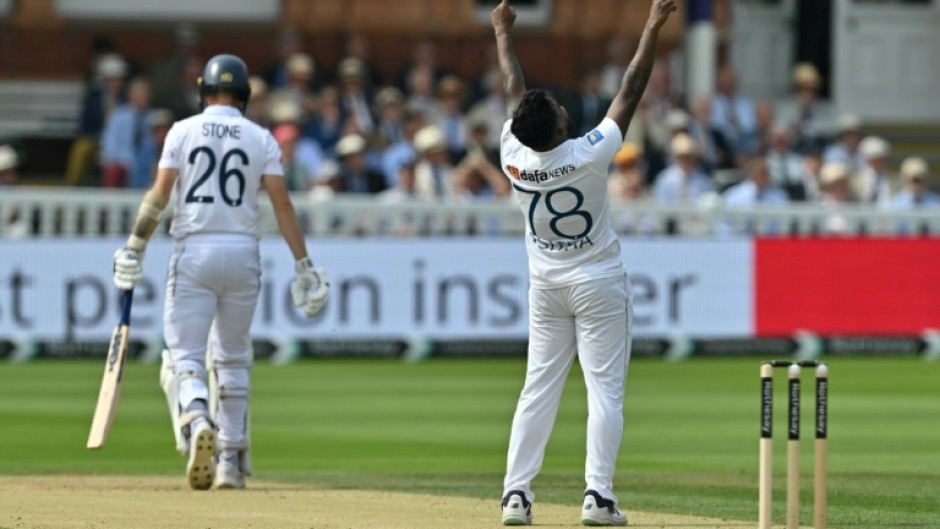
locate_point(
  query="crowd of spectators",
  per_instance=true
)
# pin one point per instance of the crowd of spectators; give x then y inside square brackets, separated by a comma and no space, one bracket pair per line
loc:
[730,150]
[427,133]
[424,133]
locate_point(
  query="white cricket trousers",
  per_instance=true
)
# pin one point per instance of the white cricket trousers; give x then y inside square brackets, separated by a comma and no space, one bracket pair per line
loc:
[212,289]
[593,321]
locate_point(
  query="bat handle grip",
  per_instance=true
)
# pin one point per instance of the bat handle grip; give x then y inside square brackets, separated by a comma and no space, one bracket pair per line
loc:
[126,302]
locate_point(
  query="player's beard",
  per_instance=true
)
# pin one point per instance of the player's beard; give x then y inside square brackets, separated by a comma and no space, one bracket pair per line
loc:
[570,127]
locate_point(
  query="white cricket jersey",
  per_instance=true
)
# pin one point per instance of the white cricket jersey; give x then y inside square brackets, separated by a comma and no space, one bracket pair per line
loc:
[563,194]
[221,157]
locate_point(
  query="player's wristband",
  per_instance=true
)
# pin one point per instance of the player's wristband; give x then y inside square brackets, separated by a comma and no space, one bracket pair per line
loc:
[304,265]
[148,218]
[136,243]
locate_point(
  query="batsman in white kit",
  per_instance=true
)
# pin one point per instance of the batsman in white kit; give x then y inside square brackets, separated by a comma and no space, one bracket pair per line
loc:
[216,162]
[579,297]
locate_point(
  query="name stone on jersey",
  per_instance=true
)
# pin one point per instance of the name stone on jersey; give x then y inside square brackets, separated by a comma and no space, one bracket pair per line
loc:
[221,130]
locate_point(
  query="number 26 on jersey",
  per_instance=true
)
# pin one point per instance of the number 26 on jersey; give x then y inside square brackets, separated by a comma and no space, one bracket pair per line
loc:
[226,173]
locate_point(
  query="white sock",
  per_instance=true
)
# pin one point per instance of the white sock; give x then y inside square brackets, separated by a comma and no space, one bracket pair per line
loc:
[198,405]
[198,423]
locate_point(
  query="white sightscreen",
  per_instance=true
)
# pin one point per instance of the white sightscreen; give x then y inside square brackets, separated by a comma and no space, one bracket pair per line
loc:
[207,10]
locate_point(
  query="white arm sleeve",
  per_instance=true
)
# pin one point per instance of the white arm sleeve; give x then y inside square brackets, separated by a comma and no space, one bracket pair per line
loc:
[600,145]
[273,163]
[508,146]
[170,158]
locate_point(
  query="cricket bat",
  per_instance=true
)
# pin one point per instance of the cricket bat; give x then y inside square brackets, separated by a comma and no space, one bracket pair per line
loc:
[110,392]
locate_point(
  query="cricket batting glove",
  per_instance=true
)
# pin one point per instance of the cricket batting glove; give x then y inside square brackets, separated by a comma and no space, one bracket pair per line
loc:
[311,288]
[128,269]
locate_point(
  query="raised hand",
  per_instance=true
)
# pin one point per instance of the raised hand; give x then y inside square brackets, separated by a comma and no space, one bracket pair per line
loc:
[503,17]
[660,11]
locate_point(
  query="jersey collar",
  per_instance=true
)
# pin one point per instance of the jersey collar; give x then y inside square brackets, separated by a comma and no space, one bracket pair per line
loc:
[221,110]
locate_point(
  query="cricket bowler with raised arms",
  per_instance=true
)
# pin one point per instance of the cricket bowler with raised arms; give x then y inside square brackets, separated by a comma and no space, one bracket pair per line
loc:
[216,162]
[579,296]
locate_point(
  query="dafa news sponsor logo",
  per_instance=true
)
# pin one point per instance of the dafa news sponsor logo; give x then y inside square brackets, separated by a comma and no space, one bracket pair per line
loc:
[537,175]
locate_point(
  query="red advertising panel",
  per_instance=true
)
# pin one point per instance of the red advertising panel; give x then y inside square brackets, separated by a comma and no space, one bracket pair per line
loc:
[867,287]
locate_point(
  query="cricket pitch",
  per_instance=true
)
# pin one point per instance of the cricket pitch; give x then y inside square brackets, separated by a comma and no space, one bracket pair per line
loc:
[121,502]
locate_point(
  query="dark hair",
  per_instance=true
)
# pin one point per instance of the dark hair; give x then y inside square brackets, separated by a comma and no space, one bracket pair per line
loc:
[534,121]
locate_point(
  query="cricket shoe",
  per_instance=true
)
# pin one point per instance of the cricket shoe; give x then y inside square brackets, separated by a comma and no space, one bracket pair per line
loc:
[200,470]
[600,511]
[517,510]
[228,474]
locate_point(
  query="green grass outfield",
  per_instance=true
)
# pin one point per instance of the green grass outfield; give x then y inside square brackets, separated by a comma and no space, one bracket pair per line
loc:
[442,427]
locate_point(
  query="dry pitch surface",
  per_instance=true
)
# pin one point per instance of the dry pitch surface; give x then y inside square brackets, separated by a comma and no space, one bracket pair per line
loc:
[121,502]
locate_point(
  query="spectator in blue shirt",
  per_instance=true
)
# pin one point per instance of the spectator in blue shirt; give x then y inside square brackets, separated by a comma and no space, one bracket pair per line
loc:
[845,150]
[732,114]
[914,195]
[683,182]
[403,151]
[125,136]
[145,168]
[756,190]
